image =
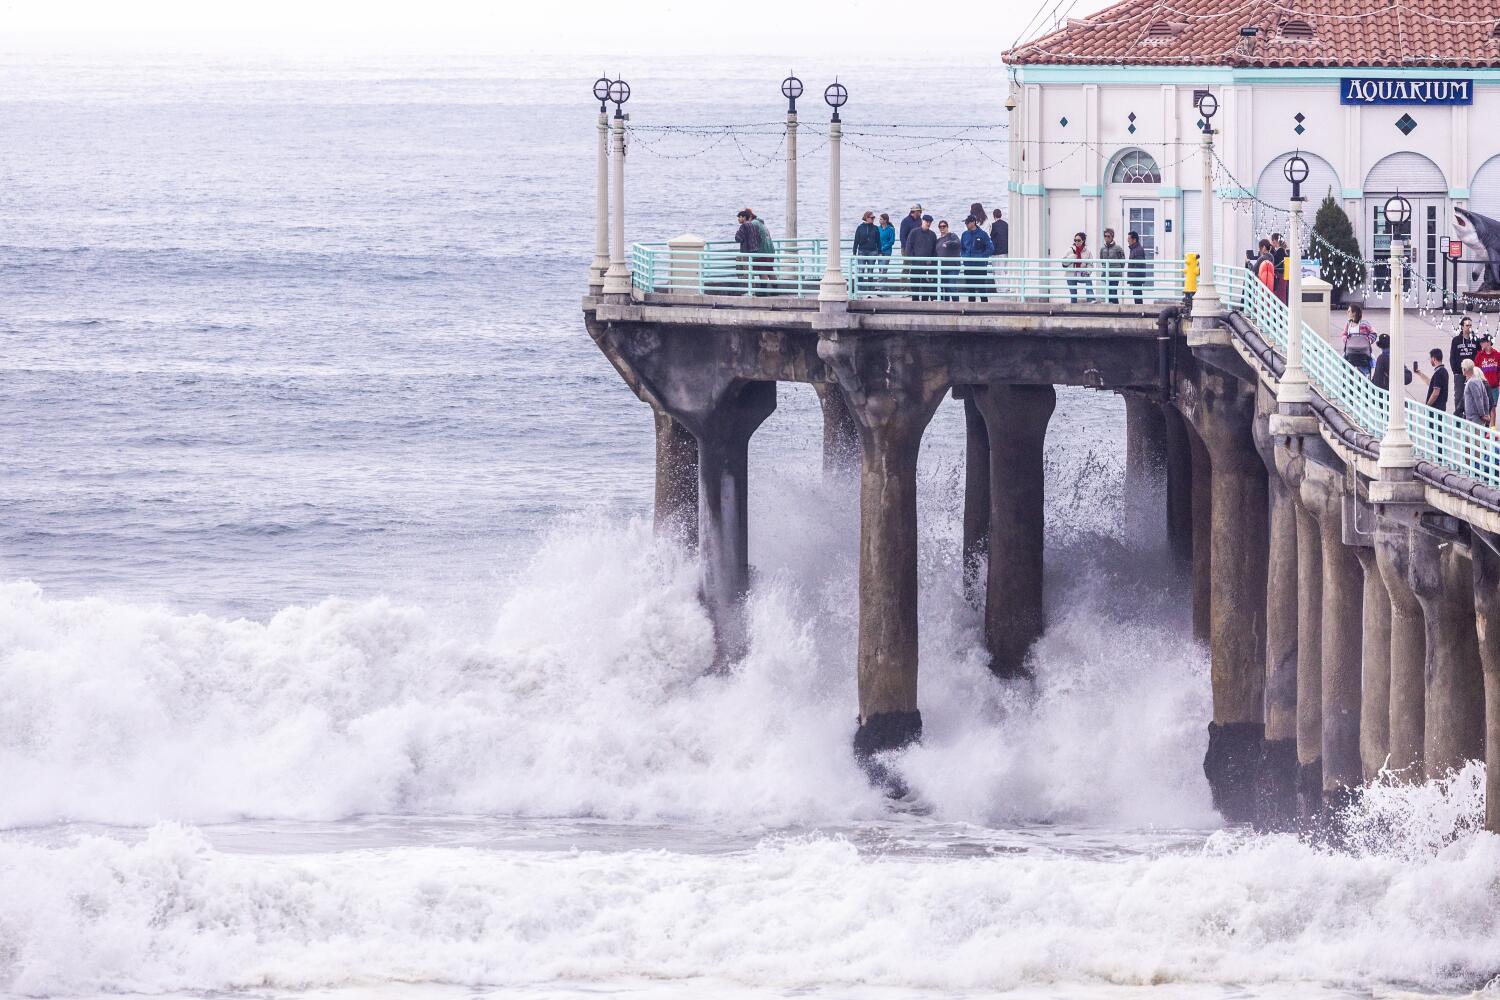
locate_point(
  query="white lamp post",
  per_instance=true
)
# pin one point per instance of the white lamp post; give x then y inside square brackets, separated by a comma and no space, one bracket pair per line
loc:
[1294,387]
[791,89]
[833,288]
[1206,299]
[617,278]
[1396,452]
[601,190]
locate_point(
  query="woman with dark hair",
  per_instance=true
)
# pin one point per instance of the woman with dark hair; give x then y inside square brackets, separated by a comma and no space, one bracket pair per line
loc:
[1076,267]
[977,210]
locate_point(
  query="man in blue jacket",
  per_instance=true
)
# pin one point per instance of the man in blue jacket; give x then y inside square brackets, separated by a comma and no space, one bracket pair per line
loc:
[975,248]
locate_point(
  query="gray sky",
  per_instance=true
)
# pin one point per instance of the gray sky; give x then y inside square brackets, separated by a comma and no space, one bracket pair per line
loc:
[969,32]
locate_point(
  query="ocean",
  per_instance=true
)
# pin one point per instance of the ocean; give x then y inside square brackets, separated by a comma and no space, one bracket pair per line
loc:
[338,658]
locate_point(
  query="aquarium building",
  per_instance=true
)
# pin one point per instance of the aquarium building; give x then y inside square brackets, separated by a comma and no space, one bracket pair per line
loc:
[1379,98]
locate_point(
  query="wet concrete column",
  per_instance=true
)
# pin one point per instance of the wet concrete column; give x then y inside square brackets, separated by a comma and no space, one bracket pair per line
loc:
[1279,764]
[1292,465]
[1487,625]
[1202,505]
[840,432]
[1408,684]
[1145,473]
[892,394]
[1342,622]
[1016,417]
[976,497]
[723,516]
[1179,488]
[676,480]
[1443,580]
[1223,415]
[1375,668]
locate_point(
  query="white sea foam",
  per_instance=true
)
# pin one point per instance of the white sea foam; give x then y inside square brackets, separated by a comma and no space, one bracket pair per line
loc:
[172,913]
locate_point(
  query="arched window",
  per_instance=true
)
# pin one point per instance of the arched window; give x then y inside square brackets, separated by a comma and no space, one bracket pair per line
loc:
[1136,167]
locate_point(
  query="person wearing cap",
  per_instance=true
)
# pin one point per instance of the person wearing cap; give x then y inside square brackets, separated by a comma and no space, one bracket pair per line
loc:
[912,221]
[1382,376]
[919,249]
[950,271]
[1488,363]
[975,247]
[866,247]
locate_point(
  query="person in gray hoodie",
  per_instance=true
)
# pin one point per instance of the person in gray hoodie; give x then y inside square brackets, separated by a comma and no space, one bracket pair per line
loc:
[1476,394]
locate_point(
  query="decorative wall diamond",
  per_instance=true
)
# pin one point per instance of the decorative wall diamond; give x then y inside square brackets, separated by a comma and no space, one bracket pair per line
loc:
[1200,124]
[1300,117]
[1063,121]
[1131,130]
[1132,116]
[1299,130]
[1406,123]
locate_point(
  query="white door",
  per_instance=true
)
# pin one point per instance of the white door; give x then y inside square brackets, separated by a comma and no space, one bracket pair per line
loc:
[1139,217]
[1424,276]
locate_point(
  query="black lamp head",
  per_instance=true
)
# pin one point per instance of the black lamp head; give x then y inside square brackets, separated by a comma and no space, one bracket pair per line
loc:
[1398,214]
[601,90]
[1296,170]
[1208,106]
[837,95]
[619,92]
[791,89]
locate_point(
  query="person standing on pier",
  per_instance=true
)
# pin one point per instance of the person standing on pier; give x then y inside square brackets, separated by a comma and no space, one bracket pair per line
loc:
[866,247]
[887,235]
[1463,348]
[1076,267]
[1000,239]
[1279,254]
[1140,269]
[919,249]
[949,248]
[747,236]
[909,225]
[767,253]
[1476,395]
[1382,375]
[1359,340]
[1437,382]
[1111,266]
[1487,360]
[975,248]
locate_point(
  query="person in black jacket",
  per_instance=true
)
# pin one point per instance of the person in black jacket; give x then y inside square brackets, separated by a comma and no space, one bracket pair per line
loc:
[1382,376]
[912,221]
[1140,273]
[1000,241]
[1463,348]
[920,247]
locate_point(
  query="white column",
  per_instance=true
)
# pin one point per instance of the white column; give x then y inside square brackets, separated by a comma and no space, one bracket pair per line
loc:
[833,288]
[601,207]
[791,175]
[617,278]
[1294,387]
[1396,452]
[1206,299]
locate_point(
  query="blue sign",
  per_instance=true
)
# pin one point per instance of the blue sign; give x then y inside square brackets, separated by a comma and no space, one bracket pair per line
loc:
[1368,90]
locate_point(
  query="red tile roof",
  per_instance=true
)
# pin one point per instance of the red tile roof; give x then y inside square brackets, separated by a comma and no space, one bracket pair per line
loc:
[1414,33]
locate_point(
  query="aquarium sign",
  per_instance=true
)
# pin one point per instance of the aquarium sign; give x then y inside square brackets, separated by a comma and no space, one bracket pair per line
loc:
[1368,90]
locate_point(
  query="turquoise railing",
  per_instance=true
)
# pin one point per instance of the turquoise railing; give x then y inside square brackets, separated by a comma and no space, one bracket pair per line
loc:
[1438,437]
[795,268]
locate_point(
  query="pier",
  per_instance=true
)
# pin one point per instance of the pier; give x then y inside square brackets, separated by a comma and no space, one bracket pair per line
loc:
[1342,542]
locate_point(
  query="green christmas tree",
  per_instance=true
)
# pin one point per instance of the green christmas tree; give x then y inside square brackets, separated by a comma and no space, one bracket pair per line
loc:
[1332,225]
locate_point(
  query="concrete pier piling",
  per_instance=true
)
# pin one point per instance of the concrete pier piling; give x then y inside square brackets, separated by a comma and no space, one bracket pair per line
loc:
[892,397]
[1279,764]
[723,507]
[1375,668]
[1223,413]
[676,513]
[1179,488]
[976,497]
[1293,464]
[1016,417]
[840,433]
[1486,561]
[1408,655]
[1443,581]
[1341,644]
[1145,473]
[1202,549]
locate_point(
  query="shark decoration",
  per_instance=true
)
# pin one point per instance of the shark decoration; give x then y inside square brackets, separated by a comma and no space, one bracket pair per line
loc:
[1481,236]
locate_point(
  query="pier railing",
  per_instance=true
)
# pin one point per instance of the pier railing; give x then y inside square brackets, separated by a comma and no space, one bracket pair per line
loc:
[1441,438]
[795,268]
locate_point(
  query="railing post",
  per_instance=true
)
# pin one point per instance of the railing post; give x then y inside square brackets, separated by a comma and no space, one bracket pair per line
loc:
[833,288]
[617,278]
[1294,387]
[685,265]
[601,204]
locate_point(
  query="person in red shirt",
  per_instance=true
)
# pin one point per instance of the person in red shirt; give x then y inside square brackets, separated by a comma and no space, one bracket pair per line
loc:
[1488,362]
